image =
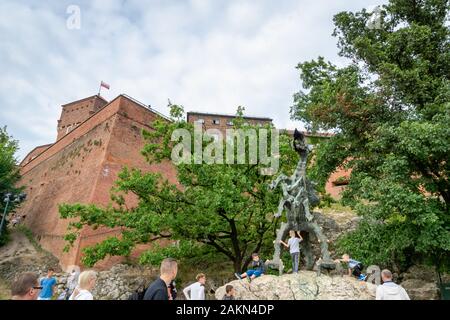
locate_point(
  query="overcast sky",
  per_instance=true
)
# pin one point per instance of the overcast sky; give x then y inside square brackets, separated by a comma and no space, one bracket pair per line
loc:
[208,55]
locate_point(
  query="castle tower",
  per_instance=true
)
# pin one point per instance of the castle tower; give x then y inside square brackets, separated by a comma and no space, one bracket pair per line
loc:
[76,112]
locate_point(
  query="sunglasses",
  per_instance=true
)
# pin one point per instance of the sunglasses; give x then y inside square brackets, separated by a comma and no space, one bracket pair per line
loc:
[38,288]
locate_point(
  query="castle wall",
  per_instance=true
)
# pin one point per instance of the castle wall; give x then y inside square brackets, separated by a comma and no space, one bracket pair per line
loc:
[64,177]
[82,168]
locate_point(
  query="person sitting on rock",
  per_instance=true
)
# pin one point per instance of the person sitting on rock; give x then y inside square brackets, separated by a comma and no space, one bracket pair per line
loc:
[229,293]
[354,267]
[257,269]
[390,290]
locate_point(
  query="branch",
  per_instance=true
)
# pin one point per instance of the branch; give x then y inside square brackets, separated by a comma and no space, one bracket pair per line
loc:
[212,242]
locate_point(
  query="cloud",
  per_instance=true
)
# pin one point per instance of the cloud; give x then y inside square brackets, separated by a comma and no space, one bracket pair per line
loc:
[207,55]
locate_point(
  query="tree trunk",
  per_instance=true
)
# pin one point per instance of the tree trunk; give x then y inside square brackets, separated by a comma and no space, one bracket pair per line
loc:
[237,264]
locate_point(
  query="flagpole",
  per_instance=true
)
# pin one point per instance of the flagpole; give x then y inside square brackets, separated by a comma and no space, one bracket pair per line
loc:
[100,88]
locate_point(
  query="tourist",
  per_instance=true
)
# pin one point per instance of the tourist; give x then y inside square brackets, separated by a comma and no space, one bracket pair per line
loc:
[158,290]
[197,289]
[72,282]
[86,282]
[390,290]
[48,284]
[15,221]
[354,267]
[294,248]
[257,269]
[229,293]
[25,287]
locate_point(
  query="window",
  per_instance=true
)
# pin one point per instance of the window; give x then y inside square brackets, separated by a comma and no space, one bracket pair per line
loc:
[230,122]
[201,121]
[69,128]
[216,121]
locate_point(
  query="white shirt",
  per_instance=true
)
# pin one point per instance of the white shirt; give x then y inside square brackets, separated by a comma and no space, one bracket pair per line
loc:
[81,295]
[391,291]
[197,291]
[294,245]
[72,281]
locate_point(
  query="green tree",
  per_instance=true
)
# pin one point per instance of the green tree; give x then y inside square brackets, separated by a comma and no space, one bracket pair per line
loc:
[390,110]
[223,208]
[9,174]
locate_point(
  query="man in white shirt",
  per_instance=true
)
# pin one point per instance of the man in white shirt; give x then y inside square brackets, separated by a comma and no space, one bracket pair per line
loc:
[197,289]
[390,290]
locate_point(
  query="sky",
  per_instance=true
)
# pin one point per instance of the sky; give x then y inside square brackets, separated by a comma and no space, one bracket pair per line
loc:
[207,55]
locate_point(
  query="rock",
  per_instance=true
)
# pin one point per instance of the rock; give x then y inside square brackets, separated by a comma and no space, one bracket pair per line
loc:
[421,290]
[421,282]
[305,285]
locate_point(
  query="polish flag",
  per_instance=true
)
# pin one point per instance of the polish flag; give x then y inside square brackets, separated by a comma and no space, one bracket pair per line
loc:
[104,85]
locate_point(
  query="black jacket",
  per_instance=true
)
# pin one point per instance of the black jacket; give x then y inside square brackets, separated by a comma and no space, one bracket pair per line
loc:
[157,291]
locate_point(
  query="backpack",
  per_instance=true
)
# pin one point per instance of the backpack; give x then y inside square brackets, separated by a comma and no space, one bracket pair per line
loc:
[138,294]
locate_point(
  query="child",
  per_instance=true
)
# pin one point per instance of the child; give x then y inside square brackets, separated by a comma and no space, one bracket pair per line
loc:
[294,248]
[229,293]
[256,271]
[197,289]
[354,267]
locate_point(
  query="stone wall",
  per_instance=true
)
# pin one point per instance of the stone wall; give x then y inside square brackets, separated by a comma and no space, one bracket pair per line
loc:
[118,283]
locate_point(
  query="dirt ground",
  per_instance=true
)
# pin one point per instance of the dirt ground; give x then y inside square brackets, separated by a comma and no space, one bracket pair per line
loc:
[18,247]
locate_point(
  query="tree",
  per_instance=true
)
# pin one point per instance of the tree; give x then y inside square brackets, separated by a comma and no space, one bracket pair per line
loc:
[226,208]
[9,174]
[390,110]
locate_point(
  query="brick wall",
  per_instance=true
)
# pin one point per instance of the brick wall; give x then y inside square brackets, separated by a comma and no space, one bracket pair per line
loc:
[74,113]
[81,168]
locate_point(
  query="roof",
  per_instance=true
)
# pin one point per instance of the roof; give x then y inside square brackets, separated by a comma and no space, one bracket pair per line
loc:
[310,134]
[140,104]
[36,148]
[87,98]
[226,115]
[146,106]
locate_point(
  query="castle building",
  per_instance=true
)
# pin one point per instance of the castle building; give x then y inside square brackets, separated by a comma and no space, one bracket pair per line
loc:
[95,140]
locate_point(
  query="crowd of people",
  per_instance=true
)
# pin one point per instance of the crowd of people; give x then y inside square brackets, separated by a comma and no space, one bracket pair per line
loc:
[79,286]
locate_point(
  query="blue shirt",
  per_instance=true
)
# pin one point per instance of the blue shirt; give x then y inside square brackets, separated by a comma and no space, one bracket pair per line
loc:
[352,263]
[47,286]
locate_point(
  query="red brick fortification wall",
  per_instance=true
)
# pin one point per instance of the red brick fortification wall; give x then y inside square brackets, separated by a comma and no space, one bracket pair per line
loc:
[335,190]
[81,168]
[124,150]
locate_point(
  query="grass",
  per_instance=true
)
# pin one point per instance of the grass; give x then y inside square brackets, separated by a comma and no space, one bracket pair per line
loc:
[336,206]
[27,232]
[5,292]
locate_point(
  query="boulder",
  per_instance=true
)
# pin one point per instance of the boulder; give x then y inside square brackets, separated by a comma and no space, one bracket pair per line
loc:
[306,285]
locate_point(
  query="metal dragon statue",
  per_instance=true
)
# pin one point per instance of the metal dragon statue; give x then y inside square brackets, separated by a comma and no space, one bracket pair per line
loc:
[298,197]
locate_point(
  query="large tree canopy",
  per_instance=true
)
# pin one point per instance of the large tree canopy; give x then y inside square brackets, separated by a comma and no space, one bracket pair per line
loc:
[9,173]
[226,208]
[390,110]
